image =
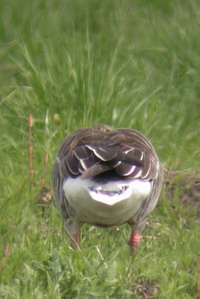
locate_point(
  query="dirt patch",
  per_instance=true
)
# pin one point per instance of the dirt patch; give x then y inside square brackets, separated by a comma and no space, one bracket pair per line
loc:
[45,196]
[145,289]
[187,185]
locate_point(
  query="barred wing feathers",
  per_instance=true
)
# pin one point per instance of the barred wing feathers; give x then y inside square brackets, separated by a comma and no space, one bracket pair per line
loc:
[93,151]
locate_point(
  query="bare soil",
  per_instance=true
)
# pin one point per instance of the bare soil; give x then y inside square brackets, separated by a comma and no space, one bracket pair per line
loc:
[187,185]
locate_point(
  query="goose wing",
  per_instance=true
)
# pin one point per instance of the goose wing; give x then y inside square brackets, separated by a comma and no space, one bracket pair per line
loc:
[89,152]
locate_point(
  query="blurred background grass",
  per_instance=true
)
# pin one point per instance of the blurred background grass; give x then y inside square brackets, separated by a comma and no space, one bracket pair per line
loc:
[124,63]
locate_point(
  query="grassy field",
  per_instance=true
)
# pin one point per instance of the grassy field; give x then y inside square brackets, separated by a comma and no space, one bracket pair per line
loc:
[124,63]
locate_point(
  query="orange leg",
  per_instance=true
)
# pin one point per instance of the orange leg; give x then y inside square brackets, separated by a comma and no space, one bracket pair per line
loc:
[73,229]
[134,242]
[74,243]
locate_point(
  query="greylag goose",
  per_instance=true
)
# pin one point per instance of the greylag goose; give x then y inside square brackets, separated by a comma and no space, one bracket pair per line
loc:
[106,177]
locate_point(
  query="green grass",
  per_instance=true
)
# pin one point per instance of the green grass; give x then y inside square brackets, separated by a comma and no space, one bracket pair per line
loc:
[124,63]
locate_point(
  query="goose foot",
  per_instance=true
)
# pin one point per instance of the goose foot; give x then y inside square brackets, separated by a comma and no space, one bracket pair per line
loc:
[74,243]
[134,242]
